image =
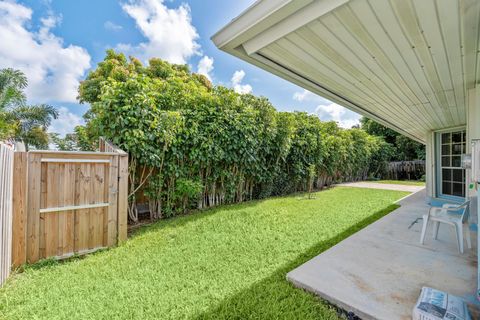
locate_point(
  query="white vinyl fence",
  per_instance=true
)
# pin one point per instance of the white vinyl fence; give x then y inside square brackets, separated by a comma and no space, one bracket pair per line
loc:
[6,208]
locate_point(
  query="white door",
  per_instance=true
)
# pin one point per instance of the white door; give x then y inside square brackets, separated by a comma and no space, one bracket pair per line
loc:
[450,147]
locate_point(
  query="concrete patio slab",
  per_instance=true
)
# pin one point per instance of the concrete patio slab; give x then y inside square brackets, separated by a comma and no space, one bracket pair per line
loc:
[378,272]
[384,186]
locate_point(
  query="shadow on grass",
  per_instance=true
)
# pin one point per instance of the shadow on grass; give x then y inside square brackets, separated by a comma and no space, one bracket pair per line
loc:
[197,214]
[177,221]
[181,220]
[53,262]
[173,222]
[276,298]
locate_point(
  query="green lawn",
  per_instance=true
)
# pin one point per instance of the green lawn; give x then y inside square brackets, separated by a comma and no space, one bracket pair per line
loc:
[225,263]
[402,182]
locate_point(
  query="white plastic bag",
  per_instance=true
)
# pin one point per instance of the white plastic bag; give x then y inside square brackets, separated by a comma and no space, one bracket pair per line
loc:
[438,305]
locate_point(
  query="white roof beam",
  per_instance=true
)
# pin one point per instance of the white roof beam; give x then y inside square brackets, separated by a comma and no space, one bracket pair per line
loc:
[293,22]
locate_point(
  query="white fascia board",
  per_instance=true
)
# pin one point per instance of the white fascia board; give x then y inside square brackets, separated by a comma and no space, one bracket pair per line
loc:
[256,13]
[293,22]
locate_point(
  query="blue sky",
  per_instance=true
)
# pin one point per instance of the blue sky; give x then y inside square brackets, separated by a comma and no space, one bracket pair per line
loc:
[56,43]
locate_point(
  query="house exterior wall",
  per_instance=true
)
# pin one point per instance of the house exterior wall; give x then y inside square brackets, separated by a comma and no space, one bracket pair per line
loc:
[473,132]
[473,127]
[430,172]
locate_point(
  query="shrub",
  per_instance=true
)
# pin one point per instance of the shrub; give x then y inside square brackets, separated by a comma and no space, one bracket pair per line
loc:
[195,145]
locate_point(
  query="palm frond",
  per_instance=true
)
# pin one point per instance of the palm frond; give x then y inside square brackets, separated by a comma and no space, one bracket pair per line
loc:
[32,123]
[40,115]
[12,84]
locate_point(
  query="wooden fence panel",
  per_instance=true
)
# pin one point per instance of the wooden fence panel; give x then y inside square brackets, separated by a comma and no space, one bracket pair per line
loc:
[19,250]
[410,170]
[6,208]
[82,216]
[74,203]
[64,203]
[65,185]
[68,203]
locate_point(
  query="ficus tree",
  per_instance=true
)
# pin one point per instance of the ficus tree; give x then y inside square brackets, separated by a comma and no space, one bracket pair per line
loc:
[402,148]
[195,145]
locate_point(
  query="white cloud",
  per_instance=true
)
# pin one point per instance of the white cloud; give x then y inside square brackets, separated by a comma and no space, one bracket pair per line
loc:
[66,122]
[344,117]
[52,68]
[305,96]
[237,79]
[205,66]
[327,110]
[112,26]
[169,32]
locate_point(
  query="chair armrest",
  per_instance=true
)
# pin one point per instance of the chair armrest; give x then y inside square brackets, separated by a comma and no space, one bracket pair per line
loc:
[433,210]
[455,211]
[450,205]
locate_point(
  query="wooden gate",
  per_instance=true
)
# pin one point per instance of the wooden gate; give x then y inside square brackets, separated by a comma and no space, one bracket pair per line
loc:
[76,203]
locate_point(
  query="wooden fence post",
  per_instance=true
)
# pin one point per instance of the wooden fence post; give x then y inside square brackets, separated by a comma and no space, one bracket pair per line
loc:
[19,246]
[112,224]
[33,206]
[122,197]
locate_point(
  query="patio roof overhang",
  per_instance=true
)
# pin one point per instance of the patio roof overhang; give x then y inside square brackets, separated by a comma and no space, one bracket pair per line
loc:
[405,63]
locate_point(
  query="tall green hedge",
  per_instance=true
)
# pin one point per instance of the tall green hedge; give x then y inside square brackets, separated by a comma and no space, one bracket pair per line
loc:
[195,145]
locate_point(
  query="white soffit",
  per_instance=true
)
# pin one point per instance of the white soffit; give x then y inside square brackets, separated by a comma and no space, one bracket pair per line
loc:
[405,63]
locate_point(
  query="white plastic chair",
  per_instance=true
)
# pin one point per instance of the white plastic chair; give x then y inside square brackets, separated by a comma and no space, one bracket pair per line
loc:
[456,215]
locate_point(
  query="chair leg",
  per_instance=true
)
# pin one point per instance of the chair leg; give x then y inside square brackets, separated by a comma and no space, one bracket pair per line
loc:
[436,226]
[467,235]
[459,233]
[424,228]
